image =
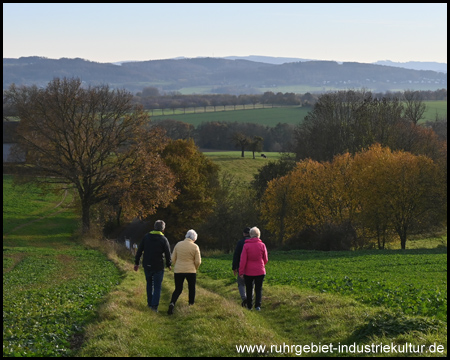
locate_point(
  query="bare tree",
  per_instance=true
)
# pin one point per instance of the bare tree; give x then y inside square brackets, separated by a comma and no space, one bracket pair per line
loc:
[242,141]
[414,106]
[92,139]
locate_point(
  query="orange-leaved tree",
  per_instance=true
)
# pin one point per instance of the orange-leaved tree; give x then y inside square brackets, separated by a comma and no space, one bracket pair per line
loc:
[196,181]
[400,191]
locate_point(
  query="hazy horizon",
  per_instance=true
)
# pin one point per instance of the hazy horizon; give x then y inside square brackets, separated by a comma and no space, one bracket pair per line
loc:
[109,33]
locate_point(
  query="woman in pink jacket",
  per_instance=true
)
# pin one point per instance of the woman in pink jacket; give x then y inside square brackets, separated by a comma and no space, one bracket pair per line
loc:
[252,266]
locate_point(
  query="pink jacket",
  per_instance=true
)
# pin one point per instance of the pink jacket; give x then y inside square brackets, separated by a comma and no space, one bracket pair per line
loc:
[253,258]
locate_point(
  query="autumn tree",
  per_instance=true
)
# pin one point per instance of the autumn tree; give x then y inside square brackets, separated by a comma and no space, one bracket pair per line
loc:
[268,172]
[375,214]
[196,181]
[377,193]
[146,184]
[409,191]
[90,139]
[291,202]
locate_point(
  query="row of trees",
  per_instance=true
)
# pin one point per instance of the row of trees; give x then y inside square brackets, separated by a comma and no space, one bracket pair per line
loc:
[179,101]
[224,135]
[373,195]
[151,98]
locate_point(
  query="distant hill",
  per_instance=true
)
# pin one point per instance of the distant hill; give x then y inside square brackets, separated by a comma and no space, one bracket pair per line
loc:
[416,65]
[221,75]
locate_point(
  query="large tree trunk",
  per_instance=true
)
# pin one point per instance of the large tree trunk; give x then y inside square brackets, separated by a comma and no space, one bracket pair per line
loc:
[86,219]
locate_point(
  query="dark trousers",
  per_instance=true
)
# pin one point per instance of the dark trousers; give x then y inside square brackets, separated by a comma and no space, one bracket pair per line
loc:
[154,281]
[179,280]
[257,281]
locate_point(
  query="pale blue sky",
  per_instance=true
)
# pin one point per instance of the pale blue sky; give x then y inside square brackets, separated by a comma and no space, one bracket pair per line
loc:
[117,32]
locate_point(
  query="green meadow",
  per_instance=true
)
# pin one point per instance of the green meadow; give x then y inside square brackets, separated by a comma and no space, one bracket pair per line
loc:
[267,116]
[243,168]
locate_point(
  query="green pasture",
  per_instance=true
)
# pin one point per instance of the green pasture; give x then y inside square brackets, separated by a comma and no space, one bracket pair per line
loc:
[267,116]
[243,168]
[435,107]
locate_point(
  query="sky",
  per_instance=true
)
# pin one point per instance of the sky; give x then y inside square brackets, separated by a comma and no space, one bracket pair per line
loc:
[360,32]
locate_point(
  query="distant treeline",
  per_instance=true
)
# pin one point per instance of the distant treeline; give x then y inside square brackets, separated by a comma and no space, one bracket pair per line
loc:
[151,98]
[219,135]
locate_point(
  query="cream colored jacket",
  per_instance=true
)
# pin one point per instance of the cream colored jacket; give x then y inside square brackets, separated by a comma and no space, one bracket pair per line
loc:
[186,257]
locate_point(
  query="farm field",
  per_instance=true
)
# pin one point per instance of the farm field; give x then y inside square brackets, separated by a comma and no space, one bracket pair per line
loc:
[63,299]
[268,116]
[265,116]
[51,285]
[412,282]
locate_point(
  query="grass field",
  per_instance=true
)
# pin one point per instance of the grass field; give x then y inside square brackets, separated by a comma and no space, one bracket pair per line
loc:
[242,167]
[62,299]
[267,116]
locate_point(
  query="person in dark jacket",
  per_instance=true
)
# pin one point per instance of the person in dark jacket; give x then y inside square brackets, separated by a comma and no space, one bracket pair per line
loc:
[235,266]
[155,247]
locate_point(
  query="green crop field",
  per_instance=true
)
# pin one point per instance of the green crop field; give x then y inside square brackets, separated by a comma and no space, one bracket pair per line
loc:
[51,285]
[412,282]
[268,116]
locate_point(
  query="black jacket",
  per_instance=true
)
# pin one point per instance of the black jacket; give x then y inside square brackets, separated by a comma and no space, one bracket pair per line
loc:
[154,245]
[237,253]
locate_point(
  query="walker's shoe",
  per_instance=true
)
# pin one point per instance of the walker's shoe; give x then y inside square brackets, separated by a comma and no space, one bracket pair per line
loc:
[154,308]
[171,306]
[244,303]
[258,308]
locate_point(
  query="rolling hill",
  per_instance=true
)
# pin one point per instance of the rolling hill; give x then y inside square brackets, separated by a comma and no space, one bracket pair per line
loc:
[212,73]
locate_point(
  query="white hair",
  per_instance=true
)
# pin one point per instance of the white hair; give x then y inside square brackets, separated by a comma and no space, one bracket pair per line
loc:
[191,234]
[254,232]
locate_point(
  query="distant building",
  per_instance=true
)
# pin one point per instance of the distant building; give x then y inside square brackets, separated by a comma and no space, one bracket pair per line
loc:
[9,139]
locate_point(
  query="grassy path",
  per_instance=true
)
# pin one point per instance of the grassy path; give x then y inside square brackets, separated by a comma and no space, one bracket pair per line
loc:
[217,323]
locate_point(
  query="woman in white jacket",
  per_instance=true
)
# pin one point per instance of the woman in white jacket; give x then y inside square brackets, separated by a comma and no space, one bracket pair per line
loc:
[186,260]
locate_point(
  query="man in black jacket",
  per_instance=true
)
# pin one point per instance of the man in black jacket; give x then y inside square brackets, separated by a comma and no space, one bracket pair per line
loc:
[235,265]
[154,245]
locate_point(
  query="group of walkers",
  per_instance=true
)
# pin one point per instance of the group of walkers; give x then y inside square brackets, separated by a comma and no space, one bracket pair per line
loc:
[249,260]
